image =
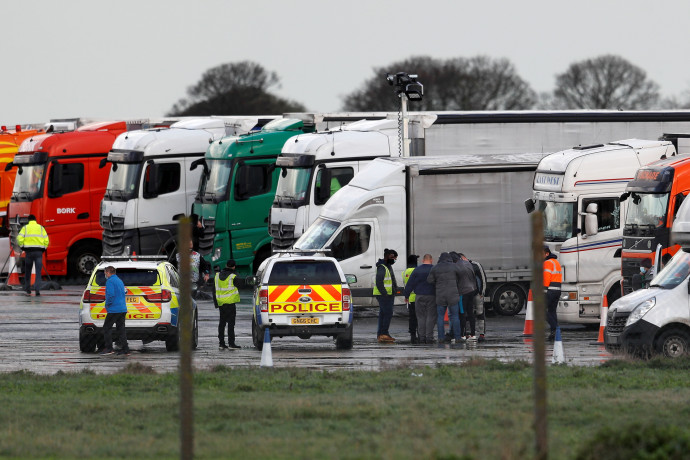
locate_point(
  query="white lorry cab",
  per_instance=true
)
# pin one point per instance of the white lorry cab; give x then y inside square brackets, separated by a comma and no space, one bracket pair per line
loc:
[578,190]
[657,320]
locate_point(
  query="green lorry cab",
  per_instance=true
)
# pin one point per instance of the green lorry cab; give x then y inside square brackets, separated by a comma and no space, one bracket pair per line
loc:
[236,192]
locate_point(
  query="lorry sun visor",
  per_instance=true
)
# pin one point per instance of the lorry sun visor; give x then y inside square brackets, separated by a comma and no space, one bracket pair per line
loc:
[125,156]
[34,158]
[295,161]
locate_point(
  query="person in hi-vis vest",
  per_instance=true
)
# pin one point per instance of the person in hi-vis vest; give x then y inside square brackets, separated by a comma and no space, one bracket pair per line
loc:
[33,239]
[225,297]
[384,291]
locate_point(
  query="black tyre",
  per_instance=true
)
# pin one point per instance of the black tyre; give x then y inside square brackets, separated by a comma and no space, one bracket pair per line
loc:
[83,259]
[87,343]
[673,343]
[344,340]
[509,300]
[257,337]
[614,294]
[172,343]
[263,254]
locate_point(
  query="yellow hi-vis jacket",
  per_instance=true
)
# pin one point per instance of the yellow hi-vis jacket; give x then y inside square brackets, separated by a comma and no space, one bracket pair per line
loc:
[33,236]
[387,283]
[226,292]
[406,276]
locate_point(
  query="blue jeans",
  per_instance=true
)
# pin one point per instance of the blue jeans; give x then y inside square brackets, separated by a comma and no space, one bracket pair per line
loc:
[385,313]
[453,317]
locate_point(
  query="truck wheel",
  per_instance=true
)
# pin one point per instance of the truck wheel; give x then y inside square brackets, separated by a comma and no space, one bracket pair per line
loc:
[509,300]
[87,343]
[344,340]
[673,343]
[257,338]
[263,254]
[172,343]
[84,258]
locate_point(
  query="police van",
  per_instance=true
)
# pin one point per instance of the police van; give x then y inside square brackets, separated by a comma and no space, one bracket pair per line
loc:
[300,295]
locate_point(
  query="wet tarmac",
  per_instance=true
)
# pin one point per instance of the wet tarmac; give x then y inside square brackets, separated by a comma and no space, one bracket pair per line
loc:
[40,334]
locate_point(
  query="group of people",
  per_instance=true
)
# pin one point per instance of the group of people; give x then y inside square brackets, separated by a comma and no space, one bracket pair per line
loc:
[454,286]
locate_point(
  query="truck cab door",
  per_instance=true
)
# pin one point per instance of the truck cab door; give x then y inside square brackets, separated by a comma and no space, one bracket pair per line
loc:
[67,208]
[162,196]
[355,248]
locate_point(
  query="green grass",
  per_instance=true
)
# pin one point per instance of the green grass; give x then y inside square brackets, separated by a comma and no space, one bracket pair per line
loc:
[482,410]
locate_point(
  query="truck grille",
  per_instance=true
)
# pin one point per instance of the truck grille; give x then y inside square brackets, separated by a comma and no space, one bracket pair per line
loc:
[113,235]
[616,323]
[283,235]
[206,239]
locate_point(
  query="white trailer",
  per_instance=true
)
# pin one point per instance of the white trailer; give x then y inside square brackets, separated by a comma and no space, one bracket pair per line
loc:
[309,160]
[579,190]
[151,184]
[467,203]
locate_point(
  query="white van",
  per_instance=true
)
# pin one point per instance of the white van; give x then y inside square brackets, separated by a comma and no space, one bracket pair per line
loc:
[657,320]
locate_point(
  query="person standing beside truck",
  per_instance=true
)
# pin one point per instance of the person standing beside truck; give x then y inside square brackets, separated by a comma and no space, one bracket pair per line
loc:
[384,290]
[410,300]
[446,278]
[552,287]
[116,309]
[425,300]
[225,297]
[198,268]
[33,239]
[469,300]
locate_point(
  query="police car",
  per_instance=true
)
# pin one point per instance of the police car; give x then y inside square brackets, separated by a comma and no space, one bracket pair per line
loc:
[302,296]
[153,301]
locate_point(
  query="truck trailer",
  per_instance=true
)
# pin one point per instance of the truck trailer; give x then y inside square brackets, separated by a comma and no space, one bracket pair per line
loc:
[417,205]
[308,161]
[578,191]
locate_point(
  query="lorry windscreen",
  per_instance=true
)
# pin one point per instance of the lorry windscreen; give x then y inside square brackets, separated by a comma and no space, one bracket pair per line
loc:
[122,181]
[317,234]
[647,210]
[674,272]
[215,186]
[307,272]
[293,184]
[559,220]
[28,183]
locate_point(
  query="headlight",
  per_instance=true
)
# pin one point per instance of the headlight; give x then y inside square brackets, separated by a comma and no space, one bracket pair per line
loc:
[640,311]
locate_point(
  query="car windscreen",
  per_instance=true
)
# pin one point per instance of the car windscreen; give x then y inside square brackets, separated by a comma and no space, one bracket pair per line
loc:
[132,277]
[304,272]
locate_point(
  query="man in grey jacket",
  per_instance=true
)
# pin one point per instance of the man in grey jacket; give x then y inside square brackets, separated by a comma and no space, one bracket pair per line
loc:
[446,277]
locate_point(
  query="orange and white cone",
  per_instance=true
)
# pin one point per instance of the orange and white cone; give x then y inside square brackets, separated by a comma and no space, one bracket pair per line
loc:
[602,322]
[529,317]
[13,278]
[266,355]
[558,354]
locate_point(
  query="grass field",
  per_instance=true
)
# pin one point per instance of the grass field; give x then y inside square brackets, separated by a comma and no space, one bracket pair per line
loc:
[481,410]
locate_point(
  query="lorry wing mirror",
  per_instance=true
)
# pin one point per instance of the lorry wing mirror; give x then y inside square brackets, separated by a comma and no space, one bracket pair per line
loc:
[55,180]
[252,280]
[529,205]
[351,279]
[591,225]
[9,165]
[202,162]
[102,163]
[624,196]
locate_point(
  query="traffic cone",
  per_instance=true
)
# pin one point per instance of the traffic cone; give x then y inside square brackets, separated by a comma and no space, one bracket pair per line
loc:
[13,279]
[266,355]
[558,355]
[602,322]
[529,317]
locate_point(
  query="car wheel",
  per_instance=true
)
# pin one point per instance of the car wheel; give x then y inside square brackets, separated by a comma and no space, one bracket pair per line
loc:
[257,339]
[344,341]
[87,343]
[172,343]
[195,332]
[673,343]
[509,300]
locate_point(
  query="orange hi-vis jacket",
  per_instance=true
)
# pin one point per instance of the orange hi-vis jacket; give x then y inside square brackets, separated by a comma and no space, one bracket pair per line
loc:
[553,275]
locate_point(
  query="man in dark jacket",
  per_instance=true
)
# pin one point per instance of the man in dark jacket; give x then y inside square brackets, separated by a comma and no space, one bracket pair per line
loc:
[384,290]
[425,300]
[467,288]
[446,277]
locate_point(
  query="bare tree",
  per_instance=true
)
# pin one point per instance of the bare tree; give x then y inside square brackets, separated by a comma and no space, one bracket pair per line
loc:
[605,82]
[238,88]
[477,83]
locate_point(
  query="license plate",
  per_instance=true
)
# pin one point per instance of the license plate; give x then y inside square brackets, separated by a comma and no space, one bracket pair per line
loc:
[304,321]
[132,299]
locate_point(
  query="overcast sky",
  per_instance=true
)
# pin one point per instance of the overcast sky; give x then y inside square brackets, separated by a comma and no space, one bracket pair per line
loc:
[135,59]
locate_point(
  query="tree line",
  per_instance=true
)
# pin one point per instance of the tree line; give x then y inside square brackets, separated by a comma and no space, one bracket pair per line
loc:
[475,83]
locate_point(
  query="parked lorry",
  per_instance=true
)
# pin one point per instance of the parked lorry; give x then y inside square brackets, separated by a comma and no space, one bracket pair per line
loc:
[59,181]
[417,205]
[153,182]
[337,155]
[578,191]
